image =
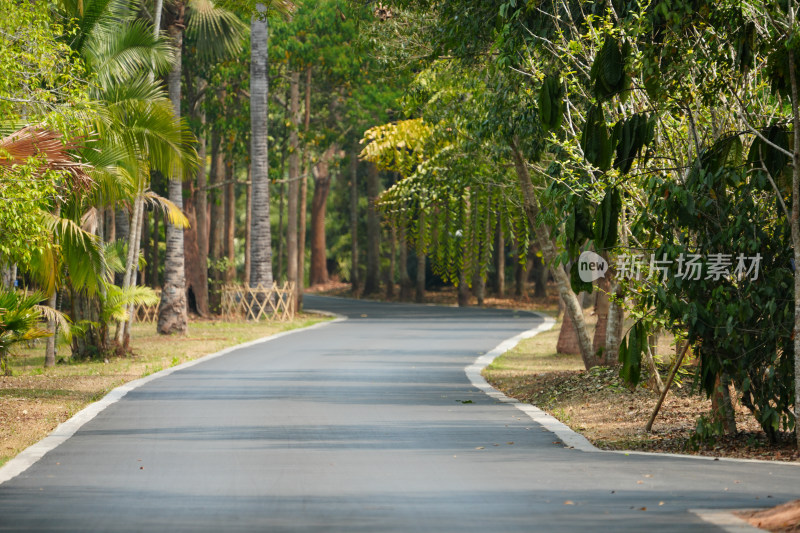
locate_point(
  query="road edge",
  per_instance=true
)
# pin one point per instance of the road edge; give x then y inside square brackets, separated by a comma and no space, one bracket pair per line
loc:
[569,437]
[30,455]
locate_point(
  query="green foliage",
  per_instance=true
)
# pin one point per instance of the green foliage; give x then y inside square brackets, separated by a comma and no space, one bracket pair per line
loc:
[20,318]
[630,353]
[551,103]
[607,219]
[740,324]
[608,70]
[595,139]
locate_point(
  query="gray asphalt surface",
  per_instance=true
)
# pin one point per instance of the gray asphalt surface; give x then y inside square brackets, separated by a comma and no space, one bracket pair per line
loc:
[364,425]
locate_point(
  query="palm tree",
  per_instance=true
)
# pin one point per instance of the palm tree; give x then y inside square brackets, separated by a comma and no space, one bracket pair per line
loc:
[20,320]
[217,32]
[261,247]
[125,54]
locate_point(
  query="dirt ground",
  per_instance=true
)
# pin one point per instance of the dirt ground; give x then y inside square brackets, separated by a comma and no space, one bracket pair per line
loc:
[612,416]
[781,519]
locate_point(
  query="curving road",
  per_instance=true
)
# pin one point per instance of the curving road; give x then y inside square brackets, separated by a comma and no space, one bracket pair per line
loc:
[364,425]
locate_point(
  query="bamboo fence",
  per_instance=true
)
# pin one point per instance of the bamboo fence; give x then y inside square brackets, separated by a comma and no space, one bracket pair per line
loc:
[274,303]
[241,302]
[147,313]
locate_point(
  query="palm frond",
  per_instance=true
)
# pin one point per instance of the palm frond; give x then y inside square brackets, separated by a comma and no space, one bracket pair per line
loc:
[173,212]
[122,52]
[281,7]
[81,252]
[216,32]
[37,141]
[19,318]
[61,320]
[117,300]
[115,253]
[150,130]
[109,171]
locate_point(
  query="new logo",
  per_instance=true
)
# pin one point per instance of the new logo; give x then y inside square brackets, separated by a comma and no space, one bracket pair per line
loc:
[591,266]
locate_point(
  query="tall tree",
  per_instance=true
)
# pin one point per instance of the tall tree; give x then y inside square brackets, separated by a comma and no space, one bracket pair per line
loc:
[261,247]
[172,311]
[322,183]
[372,280]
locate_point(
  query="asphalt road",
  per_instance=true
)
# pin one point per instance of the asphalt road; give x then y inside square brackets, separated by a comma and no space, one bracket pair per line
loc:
[364,425]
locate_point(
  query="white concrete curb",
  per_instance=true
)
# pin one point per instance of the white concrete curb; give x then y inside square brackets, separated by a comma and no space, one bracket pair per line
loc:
[66,429]
[569,437]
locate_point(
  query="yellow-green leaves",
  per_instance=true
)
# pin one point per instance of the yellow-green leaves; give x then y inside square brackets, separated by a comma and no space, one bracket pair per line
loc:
[396,146]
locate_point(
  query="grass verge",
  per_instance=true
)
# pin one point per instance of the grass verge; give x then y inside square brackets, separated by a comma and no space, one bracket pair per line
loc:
[34,400]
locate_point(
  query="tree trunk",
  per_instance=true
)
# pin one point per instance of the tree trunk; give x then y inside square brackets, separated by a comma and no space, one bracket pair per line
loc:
[230,222]
[216,233]
[132,260]
[722,406]
[121,224]
[392,266]
[277,274]
[539,272]
[261,249]
[144,247]
[301,237]
[247,227]
[372,281]
[110,225]
[601,328]
[196,236]
[354,281]
[479,287]
[649,356]
[196,263]
[420,281]
[155,280]
[322,187]
[405,280]
[172,317]
[292,258]
[615,319]
[549,254]
[196,279]
[567,338]
[520,275]
[201,201]
[50,350]
[500,262]
[795,223]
